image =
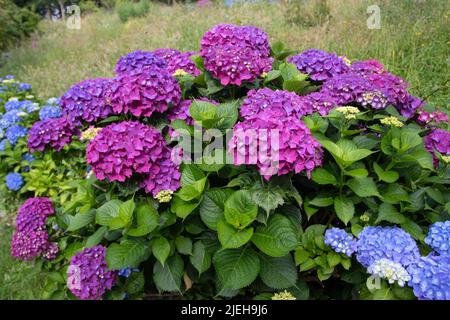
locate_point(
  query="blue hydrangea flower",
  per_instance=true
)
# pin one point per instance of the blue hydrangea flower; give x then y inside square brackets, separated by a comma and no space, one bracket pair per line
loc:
[12,104]
[15,132]
[340,241]
[24,86]
[430,277]
[28,157]
[393,243]
[439,238]
[390,270]
[9,76]
[126,272]
[14,181]
[10,118]
[2,144]
[28,106]
[49,111]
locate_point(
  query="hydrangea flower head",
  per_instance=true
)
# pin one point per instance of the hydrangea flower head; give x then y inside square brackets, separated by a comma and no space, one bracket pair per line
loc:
[15,132]
[9,119]
[14,181]
[340,241]
[392,121]
[430,277]
[54,133]
[320,65]
[276,145]
[166,53]
[87,101]
[143,92]
[437,117]
[29,245]
[50,111]
[346,88]
[90,133]
[439,237]
[390,270]
[393,243]
[138,60]
[367,67]
[33,214]
[283,295]
[438,140]
[278,103]
[373,99]
[183,62]
[320,102]
[88,276]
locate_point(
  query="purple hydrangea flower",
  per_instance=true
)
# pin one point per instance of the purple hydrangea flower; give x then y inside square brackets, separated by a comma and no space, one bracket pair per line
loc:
[374,99]
[438,140]
[367,67]
[235,54]
[437,117]
[143,92]
[51,252]
[439,237]
[340,241]
[30,244]
[88,276]
[320,102]
[320,65]
[183,62]
[431,277]
[33,214]
[87,101]
[54,133]
[278,102]
[346,88]
[166,53]
[138,60]
[276,145]
[14,181]
[375,243]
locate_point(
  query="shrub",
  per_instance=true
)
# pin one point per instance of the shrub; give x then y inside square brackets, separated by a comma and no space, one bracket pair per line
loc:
[343,175]
[126,9]
[307,13]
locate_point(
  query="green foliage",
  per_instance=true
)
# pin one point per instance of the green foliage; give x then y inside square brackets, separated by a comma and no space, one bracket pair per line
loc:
[127,9]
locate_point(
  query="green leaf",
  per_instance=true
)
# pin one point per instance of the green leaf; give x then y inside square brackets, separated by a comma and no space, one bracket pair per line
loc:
[81,220]
[96,237]
[182,208]
[394,193]
[204,112]
[135,283]
[168,277]
[240,210]
[127,254]
[387,212]
[421,157]
[201,258]
[227,115]
[212,206]
[183,245]
[236,268]
[301,256]
[413,229]
[107,212]
[147,219]
[333,259]
[277,238]
[344,208]
[322,176]
[124,217]
[161,249]
[278,273]
[272,75]
[386,176]
[191,173]
[357,173]
[231,238]
[268,199]
[363,187]
[321,201]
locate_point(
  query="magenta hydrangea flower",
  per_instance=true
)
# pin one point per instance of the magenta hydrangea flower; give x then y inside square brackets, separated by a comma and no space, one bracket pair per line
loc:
[166,53]
[54,133]
[183,62]
[27,245]
[87,101]
[436,117]
[438,140]
[33,214]
[143,92]
[279,103]
[235,54]
[138,60]
[276,145]
[123,149]
[51,252]
[346,88]
[88,276]
[367,67]
[320,65]
[321,102]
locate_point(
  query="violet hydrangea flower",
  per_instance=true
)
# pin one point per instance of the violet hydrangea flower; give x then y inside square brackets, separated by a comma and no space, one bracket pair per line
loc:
[29,245]
[437,117]
[87,101]
[88,276]
[430,277]
[320,65]
[393,243]
[275,145]
[183,62]
[166,53]
[367,67]
[143,92]
[54,133]
[33,214]
[438,140]
[340,241]
[138,60]
[439,237]
[320,102]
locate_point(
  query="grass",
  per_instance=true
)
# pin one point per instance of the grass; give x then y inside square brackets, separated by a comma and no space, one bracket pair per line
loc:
[412,41]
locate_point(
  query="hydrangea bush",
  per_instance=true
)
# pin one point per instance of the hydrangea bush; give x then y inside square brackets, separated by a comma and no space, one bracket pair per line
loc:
[245,170]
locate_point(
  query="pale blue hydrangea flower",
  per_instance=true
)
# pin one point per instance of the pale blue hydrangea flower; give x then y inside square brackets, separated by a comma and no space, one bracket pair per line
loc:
[389,270]
[439,237]
[340,241]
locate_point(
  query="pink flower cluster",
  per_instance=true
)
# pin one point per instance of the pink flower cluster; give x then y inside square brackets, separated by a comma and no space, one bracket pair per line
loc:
[143,92]
[235,54]
[88,276]
[123,149]
[31,240]
[86,101]
[438,140]
[436,117]
[54,133]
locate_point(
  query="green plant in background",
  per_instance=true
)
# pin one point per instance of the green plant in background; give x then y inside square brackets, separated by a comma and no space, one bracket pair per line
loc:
[307,13]
[127,9]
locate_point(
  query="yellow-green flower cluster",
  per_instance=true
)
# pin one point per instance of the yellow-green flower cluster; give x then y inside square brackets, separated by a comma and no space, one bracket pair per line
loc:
[346,60]
[365,218]
[284,295]
[393,121]
[179,73]
[446,159]
[348,111]
[164,196]
[90,133]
